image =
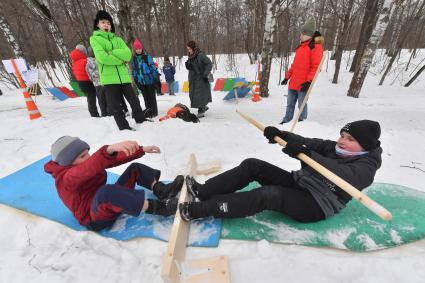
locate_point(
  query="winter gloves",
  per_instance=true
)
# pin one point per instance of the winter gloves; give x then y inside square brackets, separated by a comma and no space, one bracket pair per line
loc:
[293,148]
[271,132]
[284,82]
[305,86]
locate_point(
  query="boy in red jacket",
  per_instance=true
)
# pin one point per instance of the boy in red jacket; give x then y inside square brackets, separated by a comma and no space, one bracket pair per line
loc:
[79,61]
[80,180]
[307,59]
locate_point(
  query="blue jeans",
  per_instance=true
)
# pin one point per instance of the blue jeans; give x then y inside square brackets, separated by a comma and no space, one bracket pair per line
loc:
[171,87]
[293,96]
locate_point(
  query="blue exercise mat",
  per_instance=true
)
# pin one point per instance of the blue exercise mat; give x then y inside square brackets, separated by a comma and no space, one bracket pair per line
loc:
[241,92]
[57,93]
[33,190]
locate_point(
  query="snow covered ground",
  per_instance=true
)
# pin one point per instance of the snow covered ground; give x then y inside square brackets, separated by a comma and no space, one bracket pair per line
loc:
[34,249]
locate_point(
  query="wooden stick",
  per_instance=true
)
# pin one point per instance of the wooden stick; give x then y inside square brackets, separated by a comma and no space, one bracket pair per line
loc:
[351,190]
[176,251]
[307,95]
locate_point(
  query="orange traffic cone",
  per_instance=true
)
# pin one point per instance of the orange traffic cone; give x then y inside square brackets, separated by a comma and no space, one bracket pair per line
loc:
[257,96]
[31,106]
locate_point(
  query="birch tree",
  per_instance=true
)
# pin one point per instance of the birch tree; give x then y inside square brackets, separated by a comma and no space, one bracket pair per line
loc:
[10,38]
[43,12]
[371,46]
[267,51]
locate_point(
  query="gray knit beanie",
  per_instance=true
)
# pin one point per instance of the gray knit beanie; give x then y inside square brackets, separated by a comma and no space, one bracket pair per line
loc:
[309,27]
[65,149]
[82,48]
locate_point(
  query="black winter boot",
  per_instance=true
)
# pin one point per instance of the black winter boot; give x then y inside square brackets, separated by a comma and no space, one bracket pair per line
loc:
[170,190]
[194,188]
[164,208]
[184,211]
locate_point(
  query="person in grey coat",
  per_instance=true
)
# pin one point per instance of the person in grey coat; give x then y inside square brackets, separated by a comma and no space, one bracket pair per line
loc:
[199,66]
[304,195]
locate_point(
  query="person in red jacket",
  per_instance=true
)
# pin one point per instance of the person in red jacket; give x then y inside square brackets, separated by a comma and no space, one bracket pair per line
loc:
[79,61]
[80,180]
[307,59]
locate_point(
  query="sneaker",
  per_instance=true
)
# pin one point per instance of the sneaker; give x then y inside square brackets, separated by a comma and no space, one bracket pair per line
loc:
[184,211]
[284,121]
[193,188]
[170,190]
[200,115]
[162,207]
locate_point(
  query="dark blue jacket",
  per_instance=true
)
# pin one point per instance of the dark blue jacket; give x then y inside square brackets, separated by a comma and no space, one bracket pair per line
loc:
[169,72]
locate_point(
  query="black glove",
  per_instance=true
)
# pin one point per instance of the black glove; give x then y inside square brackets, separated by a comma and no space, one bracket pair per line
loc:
[284,82]
[271,132]
[305,86]
[294,148]
[205,80]
[187,64]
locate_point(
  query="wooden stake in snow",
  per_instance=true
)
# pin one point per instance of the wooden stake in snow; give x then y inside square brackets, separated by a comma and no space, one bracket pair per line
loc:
[175,267]
[355,193]
[307,95]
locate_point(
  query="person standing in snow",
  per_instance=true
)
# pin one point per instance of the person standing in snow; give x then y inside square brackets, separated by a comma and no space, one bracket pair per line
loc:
[199,66]
[145,75]
[308,56]
[158,81]
[303,195]
[112,56]
[93,73]
[79,61]
[80,180]
[169,72]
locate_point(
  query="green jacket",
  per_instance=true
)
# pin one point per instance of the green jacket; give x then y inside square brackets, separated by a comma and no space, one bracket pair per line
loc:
[112,55]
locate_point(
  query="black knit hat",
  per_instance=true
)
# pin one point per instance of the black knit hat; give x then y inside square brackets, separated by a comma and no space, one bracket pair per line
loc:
[103,15]
[366,133]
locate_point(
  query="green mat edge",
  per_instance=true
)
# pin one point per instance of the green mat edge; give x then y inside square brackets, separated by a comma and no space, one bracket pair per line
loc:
[324,246]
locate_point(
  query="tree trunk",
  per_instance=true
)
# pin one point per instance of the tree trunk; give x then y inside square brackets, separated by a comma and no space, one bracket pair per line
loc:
[126,21]
[366,60]
[43,12]
[342,41]
[415,76]
[369,19]
[10,38]
[267,52]
[408,27]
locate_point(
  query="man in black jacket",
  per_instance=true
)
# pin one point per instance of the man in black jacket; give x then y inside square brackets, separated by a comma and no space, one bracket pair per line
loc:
[304,195]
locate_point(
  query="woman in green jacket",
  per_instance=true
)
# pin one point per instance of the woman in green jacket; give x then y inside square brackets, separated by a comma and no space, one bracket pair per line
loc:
[112,56]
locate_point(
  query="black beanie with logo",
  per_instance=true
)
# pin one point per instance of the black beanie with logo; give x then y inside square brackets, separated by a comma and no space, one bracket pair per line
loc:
[366,133]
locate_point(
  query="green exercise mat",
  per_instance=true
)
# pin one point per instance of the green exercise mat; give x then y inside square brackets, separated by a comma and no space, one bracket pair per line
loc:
[76,88]
[356,228]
